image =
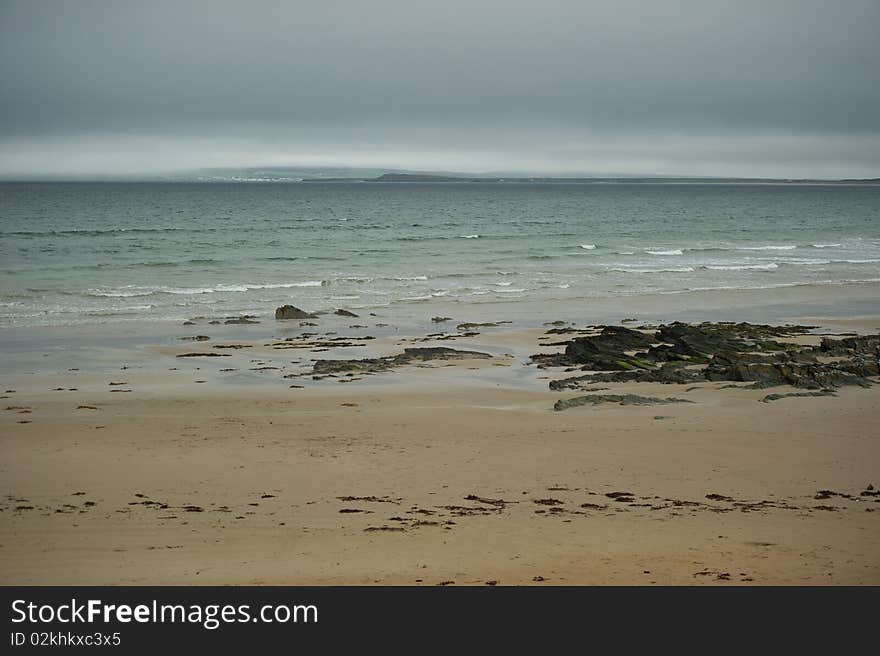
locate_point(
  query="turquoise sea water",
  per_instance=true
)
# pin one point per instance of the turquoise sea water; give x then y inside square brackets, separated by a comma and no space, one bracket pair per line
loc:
[95,252]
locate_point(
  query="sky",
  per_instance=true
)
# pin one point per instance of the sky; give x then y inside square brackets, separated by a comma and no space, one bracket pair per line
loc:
[770,88]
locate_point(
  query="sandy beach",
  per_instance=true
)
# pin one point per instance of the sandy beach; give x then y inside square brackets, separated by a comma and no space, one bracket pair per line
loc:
[238,466]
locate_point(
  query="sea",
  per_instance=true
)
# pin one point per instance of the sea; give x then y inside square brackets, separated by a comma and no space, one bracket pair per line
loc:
[89,253]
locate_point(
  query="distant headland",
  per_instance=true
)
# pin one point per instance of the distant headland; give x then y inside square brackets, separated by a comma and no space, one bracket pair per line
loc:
[296,175]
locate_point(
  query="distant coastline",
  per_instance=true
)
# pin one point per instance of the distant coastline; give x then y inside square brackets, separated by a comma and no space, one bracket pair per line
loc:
[310,176]
[423,178]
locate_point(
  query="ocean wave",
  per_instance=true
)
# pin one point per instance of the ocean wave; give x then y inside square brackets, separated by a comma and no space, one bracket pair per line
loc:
[588,247]
[90,232]
[119,294]
[98,266]
[465,274]
[722,248]
[824,245]
[109,312]
[411,278]
[778,285]
[806,261]
[788,247]
[287,285]
[188,291]
[666,270]
[84,311]
[673,251]
[317,258]
[741,267]
[133,291]
[353,279]
[470,236]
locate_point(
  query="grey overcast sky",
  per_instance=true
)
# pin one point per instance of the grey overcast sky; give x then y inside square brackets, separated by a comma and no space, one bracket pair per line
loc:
[770,88]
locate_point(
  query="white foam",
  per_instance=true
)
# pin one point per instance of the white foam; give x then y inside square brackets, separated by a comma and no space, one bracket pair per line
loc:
[470,236]
[118,294]
[742,267]
[112,311]
[588,247]
[287,285]
[412,278]
[804,260]
[670,270]
[187,291]
[824,245]
[788,247]
[132,291]
[673,251]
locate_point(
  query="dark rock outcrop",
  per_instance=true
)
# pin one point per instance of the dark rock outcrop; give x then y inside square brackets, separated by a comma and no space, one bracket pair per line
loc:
[864,344]
[680,353]
[785,370]
[603,352]
[292,312]
[666,373]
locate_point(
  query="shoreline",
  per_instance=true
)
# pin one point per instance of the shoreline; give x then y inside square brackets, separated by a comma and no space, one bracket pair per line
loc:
[127,464]
[771,304]
[36,355]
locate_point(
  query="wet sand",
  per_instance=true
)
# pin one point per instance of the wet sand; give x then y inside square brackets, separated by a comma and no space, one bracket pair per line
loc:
[437,472]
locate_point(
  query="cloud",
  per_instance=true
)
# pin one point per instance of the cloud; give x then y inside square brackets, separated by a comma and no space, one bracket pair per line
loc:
[784,89]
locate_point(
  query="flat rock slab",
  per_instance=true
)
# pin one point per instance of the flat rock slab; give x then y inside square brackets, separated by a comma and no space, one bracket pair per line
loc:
[620,399]
[410,355]
[776,397]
